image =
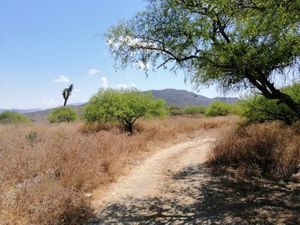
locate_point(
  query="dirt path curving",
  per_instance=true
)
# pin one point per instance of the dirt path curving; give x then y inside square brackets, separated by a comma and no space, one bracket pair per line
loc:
[152,177]
[174,186]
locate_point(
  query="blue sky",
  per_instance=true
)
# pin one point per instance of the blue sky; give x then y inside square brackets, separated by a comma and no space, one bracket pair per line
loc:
[45,45]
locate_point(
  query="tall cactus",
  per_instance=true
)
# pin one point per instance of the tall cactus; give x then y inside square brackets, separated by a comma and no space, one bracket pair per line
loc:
[66,94]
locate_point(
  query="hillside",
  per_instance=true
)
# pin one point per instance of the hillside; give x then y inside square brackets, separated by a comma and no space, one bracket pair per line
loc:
[183,98]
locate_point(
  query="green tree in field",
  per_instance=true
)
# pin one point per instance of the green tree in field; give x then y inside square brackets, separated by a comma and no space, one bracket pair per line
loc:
[123,106]
[217,109]
[64,114]
[193,110]
[66,94]
[235,43]
[9,117]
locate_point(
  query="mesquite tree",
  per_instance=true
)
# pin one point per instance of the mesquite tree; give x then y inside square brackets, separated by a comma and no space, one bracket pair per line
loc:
[236,44]
[66,94]
[123,106]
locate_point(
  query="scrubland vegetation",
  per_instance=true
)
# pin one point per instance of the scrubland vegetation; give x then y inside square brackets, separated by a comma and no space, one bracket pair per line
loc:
[270,150]
[64,114]
[12,118]
[47,170]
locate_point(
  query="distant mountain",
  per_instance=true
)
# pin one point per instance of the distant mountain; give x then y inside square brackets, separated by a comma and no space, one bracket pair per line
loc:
[183,98]
[23,111]
[173,97]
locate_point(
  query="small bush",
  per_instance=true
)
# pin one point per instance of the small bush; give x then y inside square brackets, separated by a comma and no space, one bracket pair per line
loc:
[12,118]
[193,110]
[31,138]
[270,150]
[175,111]
[65,114]
[260,109]
[217,109]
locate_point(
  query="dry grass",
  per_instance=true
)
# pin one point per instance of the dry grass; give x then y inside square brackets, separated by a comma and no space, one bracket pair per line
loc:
[271,150]
[47,170]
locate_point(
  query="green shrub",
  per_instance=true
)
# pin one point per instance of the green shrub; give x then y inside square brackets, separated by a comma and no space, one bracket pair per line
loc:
[193,110]
[175,110]
[261,109]
[64,114]
[217,109]
[123,106]
[12,118]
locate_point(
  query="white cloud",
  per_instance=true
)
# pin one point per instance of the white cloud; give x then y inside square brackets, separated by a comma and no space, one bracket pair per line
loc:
[104,82]
[62,79]
[126,86]
[94,71]
[76,90]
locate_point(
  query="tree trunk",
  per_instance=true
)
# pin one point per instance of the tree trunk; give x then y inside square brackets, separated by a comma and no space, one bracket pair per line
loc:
[65,103]
[129,128]
[269,91]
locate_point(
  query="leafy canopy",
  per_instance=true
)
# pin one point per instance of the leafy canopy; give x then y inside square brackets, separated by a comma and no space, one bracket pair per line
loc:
[64,114]
[236,44]
[123,106]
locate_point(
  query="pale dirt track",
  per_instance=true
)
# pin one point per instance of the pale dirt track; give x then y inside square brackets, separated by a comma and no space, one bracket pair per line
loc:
[175,186]
[153,176]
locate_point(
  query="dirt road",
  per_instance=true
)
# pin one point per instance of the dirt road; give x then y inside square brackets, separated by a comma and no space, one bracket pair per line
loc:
[174,186]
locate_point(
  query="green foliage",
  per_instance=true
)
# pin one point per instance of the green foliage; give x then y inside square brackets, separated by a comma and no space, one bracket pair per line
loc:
[64,114]
[261,109]
[217,109]
[12,118]
[175,110]
[123,106]
[193,110]
[31,138]
[235,44]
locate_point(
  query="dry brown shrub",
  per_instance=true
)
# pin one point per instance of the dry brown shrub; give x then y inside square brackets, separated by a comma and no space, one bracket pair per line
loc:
[47,179]
[270,149]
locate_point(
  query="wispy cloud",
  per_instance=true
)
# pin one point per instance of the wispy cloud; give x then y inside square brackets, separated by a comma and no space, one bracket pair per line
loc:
[62,79]
[94,71]
[104,82]
[126,86]
[76,90]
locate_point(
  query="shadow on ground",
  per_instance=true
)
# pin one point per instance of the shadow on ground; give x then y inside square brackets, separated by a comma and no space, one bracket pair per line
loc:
[222,198]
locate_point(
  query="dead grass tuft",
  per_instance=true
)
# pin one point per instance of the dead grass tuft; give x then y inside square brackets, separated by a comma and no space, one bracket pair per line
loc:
[271,150]
[48,170]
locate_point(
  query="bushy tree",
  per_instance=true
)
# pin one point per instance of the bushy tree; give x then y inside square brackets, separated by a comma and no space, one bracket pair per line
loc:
[175,110]
[217,109]
[123,106]
[260,109]
[193,110]
[236,44]
[65,114]
[8,117]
